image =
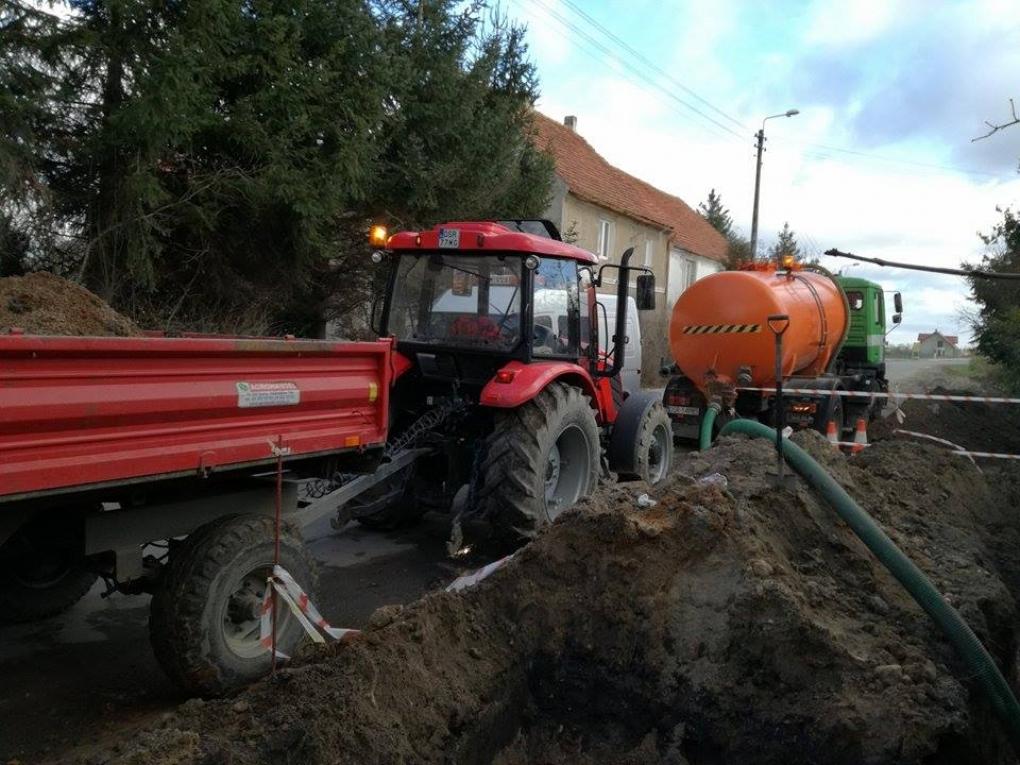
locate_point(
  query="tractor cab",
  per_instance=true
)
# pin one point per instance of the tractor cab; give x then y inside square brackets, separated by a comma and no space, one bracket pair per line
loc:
[502,406]
[466,298]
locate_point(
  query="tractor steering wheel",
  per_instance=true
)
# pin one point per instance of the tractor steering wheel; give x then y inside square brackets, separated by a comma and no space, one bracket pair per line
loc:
[542,335]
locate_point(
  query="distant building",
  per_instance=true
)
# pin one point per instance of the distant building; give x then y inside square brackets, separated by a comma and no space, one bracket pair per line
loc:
[935,345]
[603,209]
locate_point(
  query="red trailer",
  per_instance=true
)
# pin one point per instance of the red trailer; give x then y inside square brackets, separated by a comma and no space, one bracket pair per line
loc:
[110,444]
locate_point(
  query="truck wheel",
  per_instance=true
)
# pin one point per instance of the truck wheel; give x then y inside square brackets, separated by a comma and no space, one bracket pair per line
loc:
[204,618]
[38,578]
[540,459]
[641,447]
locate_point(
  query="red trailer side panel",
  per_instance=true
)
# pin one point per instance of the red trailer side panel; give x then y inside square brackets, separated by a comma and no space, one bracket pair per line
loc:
[80,411]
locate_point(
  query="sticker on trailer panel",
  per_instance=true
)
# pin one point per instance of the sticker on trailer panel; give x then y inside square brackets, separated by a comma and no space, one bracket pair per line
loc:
[373,392]
[449,238]
[256,394]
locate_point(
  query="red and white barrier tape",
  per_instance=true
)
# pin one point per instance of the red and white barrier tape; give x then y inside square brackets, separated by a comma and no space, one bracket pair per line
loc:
[303,609]
[894,395]
[955,449]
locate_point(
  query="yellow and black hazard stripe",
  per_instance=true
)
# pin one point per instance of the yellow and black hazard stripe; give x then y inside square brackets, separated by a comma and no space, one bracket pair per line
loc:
[718,329]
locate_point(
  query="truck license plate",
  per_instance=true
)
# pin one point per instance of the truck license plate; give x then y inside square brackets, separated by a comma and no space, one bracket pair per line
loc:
[684,410]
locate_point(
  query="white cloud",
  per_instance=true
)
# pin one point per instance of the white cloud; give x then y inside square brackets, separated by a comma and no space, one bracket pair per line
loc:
[851,22]
[891,210]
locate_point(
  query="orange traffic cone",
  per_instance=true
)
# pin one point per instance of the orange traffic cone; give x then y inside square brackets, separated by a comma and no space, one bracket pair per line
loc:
[860,436]
[831,435]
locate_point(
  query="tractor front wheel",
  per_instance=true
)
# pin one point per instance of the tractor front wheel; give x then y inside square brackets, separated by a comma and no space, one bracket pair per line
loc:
[541,458]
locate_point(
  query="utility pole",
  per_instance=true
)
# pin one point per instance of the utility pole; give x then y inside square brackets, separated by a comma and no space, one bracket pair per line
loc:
[760,136]
[760,142]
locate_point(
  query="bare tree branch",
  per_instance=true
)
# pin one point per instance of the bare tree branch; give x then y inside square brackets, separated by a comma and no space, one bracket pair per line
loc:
[996,128]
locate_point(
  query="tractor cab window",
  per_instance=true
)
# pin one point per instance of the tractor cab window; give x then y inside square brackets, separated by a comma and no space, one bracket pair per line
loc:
[454,300]
[855,299]
[557,309]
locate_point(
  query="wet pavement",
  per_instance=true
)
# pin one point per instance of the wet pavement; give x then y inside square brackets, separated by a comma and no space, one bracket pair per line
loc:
[71,680]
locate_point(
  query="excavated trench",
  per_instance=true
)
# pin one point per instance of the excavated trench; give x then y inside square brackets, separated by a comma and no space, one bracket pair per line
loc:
[739,624]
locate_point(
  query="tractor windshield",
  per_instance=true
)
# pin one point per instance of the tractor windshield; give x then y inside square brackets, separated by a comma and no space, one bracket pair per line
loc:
[469,301]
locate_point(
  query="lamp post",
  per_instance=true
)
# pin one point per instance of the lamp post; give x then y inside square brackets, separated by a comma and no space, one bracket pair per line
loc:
[760,136]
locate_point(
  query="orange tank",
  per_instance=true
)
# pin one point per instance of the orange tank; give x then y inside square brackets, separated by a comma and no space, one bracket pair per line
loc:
[719,326]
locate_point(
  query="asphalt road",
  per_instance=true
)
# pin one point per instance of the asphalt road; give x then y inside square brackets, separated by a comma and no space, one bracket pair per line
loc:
[73,680]
[902,371]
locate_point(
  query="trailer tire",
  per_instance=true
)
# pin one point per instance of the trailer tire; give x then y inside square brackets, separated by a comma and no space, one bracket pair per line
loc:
[207,603]
[641,446]
[40,578]
[24,600]
[540,459]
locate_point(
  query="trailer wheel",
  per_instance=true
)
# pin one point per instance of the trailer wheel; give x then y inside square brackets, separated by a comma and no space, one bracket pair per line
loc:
[40,577]
[204,618]
[641,447]
[540,459]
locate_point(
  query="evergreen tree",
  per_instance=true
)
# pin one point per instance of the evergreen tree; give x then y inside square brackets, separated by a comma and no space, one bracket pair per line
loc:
[785,244]
[713,210]
[215,164]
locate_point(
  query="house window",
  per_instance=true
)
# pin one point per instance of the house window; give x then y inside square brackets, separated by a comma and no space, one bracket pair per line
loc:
[690,272]
[605,238]
[648,253]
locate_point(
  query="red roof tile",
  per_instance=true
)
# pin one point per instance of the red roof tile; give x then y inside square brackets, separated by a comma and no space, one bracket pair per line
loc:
[590,177]
[951,339]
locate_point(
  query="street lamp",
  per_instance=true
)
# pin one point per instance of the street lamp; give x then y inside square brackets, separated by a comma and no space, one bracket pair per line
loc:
[760,135]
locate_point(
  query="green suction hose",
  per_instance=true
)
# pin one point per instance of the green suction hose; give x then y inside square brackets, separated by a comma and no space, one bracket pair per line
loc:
[705,436]
[979,663]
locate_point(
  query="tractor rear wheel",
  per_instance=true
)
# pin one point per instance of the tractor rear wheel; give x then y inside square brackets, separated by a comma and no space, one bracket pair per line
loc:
[541,458]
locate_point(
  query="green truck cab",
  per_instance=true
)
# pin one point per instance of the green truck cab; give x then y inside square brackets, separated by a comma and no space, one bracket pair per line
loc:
[860,362]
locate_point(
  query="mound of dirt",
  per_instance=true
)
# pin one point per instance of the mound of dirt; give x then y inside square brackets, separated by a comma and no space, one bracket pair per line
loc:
[44,304]
[737,624]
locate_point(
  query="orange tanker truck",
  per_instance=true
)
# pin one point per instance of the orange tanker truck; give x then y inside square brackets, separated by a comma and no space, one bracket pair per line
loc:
[725,351]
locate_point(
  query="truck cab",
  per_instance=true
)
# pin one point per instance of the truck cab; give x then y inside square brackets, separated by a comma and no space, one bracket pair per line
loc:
[865,341]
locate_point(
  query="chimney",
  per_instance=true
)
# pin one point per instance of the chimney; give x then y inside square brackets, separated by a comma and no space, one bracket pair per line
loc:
[571,122]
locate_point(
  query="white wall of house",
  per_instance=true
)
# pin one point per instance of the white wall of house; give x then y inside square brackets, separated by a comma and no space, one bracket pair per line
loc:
[685,269]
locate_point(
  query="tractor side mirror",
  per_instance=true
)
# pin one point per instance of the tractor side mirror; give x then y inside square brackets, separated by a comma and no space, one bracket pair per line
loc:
[897,300]
[645,297]
[897,318]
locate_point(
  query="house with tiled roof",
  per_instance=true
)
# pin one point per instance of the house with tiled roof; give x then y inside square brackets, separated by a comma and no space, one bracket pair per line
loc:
[935,345]
[603,209]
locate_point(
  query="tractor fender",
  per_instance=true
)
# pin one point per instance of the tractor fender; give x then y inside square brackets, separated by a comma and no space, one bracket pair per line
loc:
[517,383]
[626,430]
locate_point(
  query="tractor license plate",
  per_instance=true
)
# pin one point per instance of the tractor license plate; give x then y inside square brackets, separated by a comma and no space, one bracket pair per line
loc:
[687,411]
[449,238]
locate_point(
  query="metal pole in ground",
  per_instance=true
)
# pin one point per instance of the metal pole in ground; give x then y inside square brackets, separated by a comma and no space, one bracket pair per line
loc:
[778,324]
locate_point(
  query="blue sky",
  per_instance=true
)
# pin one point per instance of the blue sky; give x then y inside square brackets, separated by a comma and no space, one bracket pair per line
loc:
[880,160]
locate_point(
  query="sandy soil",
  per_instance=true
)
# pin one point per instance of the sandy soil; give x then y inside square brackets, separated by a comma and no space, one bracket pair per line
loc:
[44,304]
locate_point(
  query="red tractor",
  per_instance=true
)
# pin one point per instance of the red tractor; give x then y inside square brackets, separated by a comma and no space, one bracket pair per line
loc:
[501,392]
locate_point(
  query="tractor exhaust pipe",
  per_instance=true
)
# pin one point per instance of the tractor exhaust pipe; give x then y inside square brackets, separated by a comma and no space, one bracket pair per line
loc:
[622,293]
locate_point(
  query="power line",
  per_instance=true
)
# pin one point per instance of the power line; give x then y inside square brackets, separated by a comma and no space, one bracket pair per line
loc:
[621,61]
[652,65]
[881,158]
[646,81]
